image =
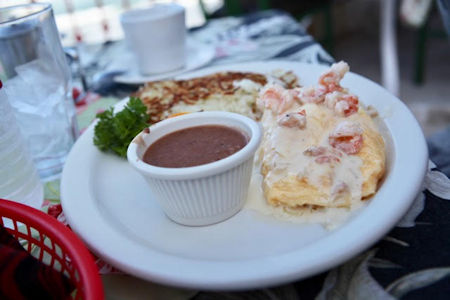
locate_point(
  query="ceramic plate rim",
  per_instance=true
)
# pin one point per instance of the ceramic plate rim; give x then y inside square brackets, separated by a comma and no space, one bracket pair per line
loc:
[268,271]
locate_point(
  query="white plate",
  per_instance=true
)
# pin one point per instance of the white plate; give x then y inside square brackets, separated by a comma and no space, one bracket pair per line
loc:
[198,55]
[106,202]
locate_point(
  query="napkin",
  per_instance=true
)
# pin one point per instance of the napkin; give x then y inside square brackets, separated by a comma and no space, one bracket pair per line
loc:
[22,276]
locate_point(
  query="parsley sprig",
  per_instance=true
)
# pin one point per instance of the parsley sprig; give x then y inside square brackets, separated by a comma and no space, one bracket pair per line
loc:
[114,132]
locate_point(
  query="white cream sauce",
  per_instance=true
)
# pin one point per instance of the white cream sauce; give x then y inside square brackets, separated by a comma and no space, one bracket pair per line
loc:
[330,218]
[283,149]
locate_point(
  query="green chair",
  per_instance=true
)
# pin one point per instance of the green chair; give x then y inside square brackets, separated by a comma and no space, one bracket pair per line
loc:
[424,33]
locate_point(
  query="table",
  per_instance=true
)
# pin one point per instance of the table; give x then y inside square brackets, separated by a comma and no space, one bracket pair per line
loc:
[412,260]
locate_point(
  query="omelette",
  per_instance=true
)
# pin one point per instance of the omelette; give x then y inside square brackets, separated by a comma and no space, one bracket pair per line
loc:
[320,149]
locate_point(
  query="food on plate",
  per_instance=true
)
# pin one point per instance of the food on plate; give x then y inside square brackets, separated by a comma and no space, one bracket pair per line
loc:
[322,153]
[195,146]
[230,91]
[114,132]
[320,148]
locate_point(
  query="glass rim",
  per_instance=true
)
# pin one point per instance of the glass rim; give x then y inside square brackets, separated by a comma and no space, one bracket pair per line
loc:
[44,7]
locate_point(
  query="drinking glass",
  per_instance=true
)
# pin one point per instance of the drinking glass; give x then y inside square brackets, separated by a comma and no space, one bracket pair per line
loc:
[37,81]
[18,177]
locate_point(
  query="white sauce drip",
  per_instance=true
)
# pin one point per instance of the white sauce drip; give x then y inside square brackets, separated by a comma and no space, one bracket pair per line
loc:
[330,218]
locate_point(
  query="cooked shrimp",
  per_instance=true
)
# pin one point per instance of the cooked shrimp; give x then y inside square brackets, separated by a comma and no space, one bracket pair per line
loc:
[323,154]
[293,120]
[327,159]
[331,79]
[276,98]
[311,94]
[347,137]
[343,104]
[270,96]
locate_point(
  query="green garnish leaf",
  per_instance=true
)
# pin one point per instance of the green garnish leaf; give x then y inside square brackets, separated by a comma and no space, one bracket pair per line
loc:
[114,132]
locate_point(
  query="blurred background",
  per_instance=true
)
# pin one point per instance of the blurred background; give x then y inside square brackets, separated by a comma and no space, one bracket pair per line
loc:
[348,29]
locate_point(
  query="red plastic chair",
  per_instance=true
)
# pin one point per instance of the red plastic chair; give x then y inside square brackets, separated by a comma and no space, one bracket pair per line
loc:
[56,243]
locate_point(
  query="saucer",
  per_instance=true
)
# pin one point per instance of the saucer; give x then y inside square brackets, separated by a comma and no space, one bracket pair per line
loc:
[198,55]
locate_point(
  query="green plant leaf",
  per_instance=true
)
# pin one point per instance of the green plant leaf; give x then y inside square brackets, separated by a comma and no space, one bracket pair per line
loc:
[114,132]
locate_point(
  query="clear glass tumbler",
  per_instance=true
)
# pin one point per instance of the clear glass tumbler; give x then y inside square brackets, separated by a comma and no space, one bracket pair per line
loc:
[18,177]
[37,81]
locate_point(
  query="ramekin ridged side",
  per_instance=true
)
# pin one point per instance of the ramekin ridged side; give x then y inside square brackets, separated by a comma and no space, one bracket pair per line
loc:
[206,200]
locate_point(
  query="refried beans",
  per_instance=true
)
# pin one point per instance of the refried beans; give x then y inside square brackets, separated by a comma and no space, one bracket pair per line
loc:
[195,146]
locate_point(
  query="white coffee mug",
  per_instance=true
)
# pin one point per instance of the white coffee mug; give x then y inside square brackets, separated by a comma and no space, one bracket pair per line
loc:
[157,36]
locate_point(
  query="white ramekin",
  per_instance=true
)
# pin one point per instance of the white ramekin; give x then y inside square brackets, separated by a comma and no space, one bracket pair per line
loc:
[204,194]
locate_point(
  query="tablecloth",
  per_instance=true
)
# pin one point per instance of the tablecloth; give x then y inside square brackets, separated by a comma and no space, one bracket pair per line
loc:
[411,262]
